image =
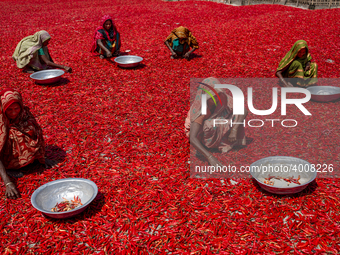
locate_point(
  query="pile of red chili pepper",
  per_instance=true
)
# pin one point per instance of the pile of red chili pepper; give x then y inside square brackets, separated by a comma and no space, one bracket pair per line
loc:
[291,179]
[67,205]
[124,130]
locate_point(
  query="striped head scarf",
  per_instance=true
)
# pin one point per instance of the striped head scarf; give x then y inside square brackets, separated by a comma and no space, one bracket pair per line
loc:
[292,55]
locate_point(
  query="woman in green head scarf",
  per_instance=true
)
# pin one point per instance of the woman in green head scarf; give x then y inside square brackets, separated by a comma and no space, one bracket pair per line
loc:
[297,65]
[32,53]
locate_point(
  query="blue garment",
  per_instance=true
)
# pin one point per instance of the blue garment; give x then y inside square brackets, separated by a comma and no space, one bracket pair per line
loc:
[177,46]
[41,52]
[109,44]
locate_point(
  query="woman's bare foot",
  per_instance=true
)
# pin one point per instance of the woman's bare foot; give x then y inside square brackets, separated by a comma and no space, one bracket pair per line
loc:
[101,56]
[233,134]
[28,70]
[15,173]
[49,163]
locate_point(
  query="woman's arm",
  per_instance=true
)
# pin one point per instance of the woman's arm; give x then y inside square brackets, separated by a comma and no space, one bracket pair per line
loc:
[11,191]
[51,64]
[187,55]
[279,75]
[101,45]
[173,53]
[194,129]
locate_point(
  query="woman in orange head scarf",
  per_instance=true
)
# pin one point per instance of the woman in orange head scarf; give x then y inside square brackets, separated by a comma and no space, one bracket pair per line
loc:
[179,42]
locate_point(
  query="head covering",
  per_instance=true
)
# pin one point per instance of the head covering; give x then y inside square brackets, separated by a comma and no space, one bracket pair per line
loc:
[227,101]
[7,97]
[182,33]
[102,34]
[24,52]
[214,137]
[21,140]
[292,55]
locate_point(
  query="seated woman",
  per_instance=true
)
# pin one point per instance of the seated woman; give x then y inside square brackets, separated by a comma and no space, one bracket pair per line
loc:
[297,65]
[179,42]
[21,139]
[32,53]
[106,39]
[200,128]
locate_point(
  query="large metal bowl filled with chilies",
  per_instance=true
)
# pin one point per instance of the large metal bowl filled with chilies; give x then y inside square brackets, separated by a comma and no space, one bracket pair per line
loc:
[129,61]
[324,93]
[49,76]
[285,167]
[48,195]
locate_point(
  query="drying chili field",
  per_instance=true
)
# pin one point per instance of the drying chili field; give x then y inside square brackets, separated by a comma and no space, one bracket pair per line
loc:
[124,130]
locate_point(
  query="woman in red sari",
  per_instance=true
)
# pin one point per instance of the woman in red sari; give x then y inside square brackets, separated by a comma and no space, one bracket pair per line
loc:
[21,139]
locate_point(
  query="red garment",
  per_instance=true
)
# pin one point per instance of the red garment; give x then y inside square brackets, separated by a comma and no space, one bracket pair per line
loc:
[102,34]
[21,140]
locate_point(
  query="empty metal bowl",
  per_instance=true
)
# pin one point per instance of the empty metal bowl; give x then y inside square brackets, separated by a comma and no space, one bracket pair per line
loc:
[128,61]
[48,195]
[324,93]
[284,167]
[49,76]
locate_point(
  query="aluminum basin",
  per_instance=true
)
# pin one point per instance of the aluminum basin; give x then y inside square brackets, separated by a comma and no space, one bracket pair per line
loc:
[128,61]
[303,168]
[49,76]
[51,193]
[324,93]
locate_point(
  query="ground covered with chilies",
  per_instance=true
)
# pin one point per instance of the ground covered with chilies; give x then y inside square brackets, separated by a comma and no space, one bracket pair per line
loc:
[123,129]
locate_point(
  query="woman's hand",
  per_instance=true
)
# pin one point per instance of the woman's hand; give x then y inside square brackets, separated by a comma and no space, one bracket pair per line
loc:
[174,54]
[285,83]
[11,191]
[232,135]
[187,55]
[307,66]
[214,162]
[108,54]
[68,69]
[288,84]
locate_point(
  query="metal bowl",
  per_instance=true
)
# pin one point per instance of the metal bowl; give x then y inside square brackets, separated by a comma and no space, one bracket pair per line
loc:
[128,61]
[282,163]
[324,93]
[49,194]
[49,76]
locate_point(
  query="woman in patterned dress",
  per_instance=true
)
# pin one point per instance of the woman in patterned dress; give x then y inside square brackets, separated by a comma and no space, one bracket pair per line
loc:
[21,139]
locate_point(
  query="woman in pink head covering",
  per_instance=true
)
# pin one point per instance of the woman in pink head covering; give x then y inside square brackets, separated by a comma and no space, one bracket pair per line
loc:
[106,39]
[21,139]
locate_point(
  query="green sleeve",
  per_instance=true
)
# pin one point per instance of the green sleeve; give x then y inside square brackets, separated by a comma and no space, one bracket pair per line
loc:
[41,52]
